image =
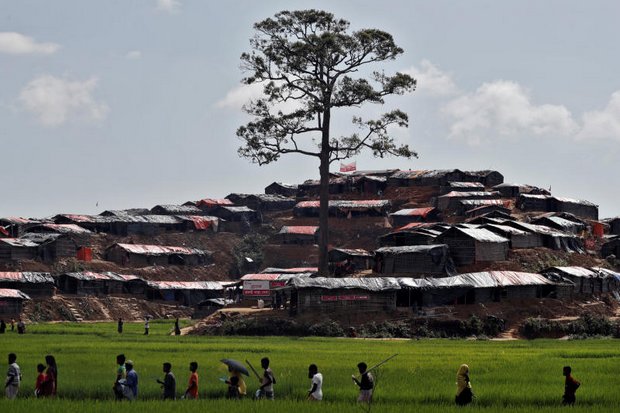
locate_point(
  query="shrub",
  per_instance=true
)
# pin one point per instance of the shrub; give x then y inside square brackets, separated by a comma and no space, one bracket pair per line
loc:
[327,328]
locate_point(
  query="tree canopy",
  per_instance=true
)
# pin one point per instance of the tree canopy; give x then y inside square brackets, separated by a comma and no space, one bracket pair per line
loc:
[309,64]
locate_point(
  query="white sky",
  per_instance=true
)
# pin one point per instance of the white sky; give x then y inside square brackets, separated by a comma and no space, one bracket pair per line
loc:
[136,103]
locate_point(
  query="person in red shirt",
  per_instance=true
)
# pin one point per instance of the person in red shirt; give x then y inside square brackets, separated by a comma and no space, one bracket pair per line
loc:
[38,387]
[192,386]
[50,383]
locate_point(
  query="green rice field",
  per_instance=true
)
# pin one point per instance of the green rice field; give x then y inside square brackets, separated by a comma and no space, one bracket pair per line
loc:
[516,376]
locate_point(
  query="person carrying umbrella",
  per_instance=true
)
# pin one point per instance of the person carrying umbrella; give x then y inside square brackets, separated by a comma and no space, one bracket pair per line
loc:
[236,369]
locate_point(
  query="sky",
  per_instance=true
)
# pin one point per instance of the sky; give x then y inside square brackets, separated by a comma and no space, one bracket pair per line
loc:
[119,104]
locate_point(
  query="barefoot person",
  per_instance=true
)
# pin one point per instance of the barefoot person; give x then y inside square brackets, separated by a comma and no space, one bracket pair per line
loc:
[266,387]
[192,385]
[169,385]
[51,377]
[121,374]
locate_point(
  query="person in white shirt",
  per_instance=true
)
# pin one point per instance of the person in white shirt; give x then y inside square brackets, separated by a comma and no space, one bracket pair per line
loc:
[13,378]
[316,391]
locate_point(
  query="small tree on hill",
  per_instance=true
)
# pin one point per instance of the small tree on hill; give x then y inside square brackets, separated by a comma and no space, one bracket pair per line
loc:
[309,59]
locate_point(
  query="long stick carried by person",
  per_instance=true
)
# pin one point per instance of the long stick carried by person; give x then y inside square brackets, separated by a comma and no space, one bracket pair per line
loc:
[381,363]
[253,370]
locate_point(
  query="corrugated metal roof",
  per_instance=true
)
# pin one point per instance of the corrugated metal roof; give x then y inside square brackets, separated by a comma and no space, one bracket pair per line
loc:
[481,202]
[19,242]
[237,209]
[575,201]
[129,277]
[186,285]
[299,230]
[408,249]
[159,249]
[26,277]
[295,270]
[10,293]
[369,284]
[358,252]
[531,196]
[606,273]
[414,212]
[285,185]
[415,226]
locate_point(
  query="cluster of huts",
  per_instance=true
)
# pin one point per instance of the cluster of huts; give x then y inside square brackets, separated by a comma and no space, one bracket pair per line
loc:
[414,264]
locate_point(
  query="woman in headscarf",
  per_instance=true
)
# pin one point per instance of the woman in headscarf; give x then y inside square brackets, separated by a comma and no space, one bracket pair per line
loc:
[464,394]
[51,377]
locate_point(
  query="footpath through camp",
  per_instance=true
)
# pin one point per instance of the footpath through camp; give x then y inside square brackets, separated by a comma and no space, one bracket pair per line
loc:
[413,253]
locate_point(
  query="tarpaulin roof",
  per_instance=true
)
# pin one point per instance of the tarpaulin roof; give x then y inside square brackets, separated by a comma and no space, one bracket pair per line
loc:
[574,201]
[178,209]
[67,228]
[465,185]
[19,242]
[479,234]
[437,173]
[538,229]
[274,277]
[285,185]
[481,202]
[574,271]
[91,219]
[606,273]
[26,277]
[129,277]
[10,293]
[94,276]
[358,252]
[3,231]
[369,284]
[457,194]
[408,249]
[201,222]
[414,212]
[295,270]
[124,212]
[506,229]
[346,204]
[369,172]
[562,222]
[488,279]
[214,202]
[300,230]
[186,285]
[159,249]
[18,220]
[415,226]
[237,209]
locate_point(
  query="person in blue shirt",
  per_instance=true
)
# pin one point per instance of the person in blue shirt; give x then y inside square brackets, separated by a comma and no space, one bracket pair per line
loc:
[131,382]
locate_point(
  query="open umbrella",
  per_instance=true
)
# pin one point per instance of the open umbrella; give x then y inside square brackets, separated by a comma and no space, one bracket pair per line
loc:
[236,366]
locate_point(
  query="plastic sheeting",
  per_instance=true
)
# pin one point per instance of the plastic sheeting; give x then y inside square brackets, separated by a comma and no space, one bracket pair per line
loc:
[299,230]
[186,285]
[414,212]
[353,252]
[143,249]
[10,293]
[369,284]
[440,249]
[27,277]
[95,276]
[487,279]
[274,277]
[295,270]
[480,234]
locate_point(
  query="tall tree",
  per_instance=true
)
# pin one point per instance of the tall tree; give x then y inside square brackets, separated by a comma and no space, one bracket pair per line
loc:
[310,64]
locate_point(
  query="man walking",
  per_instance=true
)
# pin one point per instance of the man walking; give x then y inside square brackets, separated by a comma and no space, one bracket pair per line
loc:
[13,378]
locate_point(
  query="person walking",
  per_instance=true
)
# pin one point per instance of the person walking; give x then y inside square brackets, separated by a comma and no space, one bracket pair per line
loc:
[266,388]
[316,391]
[13,378]
[169,384]
[570,387]
[121,374]
[464,394]
[21,327]
[119,326]
[146,326]
[50,384]
[38,386]
[131,382]
[192,385]
[366,384]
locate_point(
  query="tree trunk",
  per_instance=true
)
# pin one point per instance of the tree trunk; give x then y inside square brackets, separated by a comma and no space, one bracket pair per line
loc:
[324,198]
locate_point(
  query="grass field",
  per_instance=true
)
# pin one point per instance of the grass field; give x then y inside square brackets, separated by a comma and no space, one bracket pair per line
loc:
[518,376]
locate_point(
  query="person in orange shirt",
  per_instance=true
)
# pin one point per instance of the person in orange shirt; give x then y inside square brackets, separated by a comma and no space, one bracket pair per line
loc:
[192,386]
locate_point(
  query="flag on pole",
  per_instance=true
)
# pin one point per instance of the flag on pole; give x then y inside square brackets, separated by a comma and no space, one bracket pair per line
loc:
[348,167]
